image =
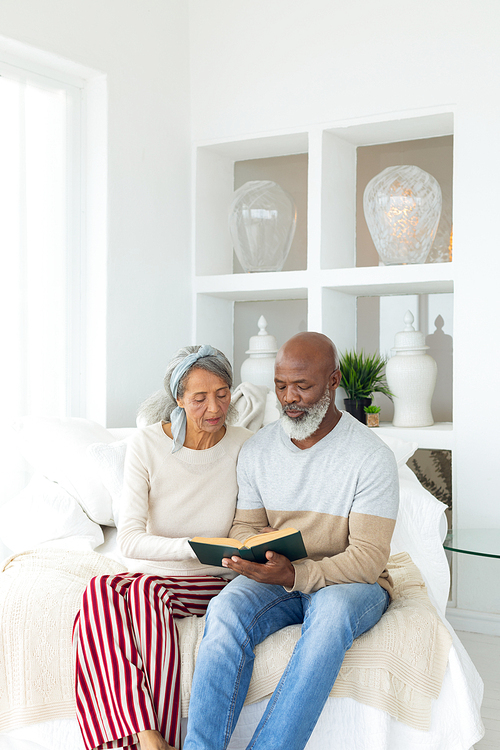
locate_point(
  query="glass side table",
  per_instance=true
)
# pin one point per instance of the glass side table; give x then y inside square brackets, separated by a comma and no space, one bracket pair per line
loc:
[482,542]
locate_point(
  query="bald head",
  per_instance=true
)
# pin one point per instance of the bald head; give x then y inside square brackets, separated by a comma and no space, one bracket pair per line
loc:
[311,347]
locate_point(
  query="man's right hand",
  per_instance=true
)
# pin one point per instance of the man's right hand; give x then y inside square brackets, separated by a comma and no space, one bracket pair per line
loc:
[277,570]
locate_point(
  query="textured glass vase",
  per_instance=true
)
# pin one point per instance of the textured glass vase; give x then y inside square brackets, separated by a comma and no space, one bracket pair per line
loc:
[402,208]
[262,221]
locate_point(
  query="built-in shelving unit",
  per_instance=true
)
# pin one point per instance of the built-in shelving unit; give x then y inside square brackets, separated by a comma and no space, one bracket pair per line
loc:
[324,272]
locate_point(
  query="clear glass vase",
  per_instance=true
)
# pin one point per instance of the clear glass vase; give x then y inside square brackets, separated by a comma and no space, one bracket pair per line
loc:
[402,207]
[262,220]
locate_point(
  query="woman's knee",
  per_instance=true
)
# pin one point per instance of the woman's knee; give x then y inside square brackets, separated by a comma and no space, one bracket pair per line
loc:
[96,586]
[95,598]
[141,584]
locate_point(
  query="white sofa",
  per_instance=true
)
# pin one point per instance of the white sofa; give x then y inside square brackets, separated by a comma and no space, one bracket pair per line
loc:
[71,503]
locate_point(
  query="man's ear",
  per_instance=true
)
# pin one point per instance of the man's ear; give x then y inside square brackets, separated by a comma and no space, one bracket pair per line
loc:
[335,379]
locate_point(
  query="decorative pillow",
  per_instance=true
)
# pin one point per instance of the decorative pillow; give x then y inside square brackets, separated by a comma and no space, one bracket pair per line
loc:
[402,449]
[45,513]
[56,448]
[249,402]
[109,462]
[272,410]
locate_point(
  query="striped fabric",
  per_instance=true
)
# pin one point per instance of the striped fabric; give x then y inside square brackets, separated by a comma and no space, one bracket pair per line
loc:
[127,655]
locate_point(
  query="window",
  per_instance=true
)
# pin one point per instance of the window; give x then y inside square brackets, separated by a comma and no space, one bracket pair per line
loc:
[41,284]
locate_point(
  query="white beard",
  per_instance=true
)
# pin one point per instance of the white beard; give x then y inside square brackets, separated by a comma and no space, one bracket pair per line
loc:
[303,427]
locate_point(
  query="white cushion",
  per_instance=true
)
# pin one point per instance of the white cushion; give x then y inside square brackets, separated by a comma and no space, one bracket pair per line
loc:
[402,449]
[272,411]
[109,462]
[56,448]
[44,513]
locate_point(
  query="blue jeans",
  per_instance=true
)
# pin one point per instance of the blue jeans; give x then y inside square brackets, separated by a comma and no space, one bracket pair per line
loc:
[242,616]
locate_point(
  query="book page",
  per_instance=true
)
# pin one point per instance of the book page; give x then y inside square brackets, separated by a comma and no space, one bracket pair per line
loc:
[219,541]
[268,536]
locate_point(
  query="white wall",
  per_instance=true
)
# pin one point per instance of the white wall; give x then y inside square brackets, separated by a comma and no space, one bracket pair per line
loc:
[260,66]
[142,49]
[263,65]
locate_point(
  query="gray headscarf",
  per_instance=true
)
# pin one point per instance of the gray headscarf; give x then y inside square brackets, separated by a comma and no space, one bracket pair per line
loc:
[161,404]
[178,417]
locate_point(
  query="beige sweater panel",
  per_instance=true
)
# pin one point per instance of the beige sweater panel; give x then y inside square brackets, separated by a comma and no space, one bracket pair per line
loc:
[340,550]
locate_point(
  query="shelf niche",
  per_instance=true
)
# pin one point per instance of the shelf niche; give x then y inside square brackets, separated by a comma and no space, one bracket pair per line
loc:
[228,323]
[378,319]
[290,173]
[284,319]
[220,167]
[433,155]
[352,155]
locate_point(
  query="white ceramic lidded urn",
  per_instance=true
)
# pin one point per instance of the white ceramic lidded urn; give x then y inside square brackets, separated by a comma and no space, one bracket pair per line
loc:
[259,367]
[411,377]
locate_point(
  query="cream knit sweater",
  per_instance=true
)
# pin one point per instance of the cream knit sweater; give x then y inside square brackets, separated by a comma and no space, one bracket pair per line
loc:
[169,498]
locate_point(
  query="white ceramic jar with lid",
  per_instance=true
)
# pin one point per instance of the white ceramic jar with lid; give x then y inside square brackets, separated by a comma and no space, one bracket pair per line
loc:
[411,377]
[259,367]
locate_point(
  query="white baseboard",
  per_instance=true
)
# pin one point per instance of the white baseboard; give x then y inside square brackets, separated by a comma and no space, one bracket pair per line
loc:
[473,622]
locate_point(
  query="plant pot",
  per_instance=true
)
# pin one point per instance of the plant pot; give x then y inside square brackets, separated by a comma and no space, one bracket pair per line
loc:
[356,407]
[372,420]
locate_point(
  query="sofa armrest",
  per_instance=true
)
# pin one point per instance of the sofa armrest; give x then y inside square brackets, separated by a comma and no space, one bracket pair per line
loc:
[419,531]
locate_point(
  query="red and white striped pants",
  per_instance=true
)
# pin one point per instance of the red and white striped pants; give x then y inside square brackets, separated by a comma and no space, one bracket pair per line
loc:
[127,655]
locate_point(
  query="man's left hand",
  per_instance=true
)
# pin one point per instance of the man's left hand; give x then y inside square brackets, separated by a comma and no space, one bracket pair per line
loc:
[277,570]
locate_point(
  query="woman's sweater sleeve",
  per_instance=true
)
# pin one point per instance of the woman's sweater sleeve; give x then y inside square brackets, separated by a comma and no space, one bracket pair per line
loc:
[133,538]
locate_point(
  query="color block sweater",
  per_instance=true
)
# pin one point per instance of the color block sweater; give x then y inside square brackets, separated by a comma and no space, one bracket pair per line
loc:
[170,497]
[342,494]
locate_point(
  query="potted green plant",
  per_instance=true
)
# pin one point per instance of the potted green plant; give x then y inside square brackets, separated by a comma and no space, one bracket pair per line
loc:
[372,415]
[362,375]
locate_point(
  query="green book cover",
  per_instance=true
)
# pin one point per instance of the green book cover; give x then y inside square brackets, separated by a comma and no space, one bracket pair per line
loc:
[287,542]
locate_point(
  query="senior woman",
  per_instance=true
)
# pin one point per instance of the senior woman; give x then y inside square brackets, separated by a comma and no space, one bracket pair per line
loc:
[180,482]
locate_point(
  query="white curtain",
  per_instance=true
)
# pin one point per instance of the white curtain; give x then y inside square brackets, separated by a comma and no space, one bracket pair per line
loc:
[36,246]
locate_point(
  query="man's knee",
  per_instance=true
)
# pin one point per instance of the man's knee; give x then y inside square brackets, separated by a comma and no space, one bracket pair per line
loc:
[350,608]
[226,606]
[244,609]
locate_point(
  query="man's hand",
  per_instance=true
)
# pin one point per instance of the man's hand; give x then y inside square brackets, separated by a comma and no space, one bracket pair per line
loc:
[277,570]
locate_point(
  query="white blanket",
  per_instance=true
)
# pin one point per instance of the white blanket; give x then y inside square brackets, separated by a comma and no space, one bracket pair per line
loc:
[398,666]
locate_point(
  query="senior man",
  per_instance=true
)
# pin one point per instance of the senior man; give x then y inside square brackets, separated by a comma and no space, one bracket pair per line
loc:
[323,472]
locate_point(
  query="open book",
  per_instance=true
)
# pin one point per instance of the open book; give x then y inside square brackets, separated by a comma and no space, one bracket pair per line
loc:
[287,542]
